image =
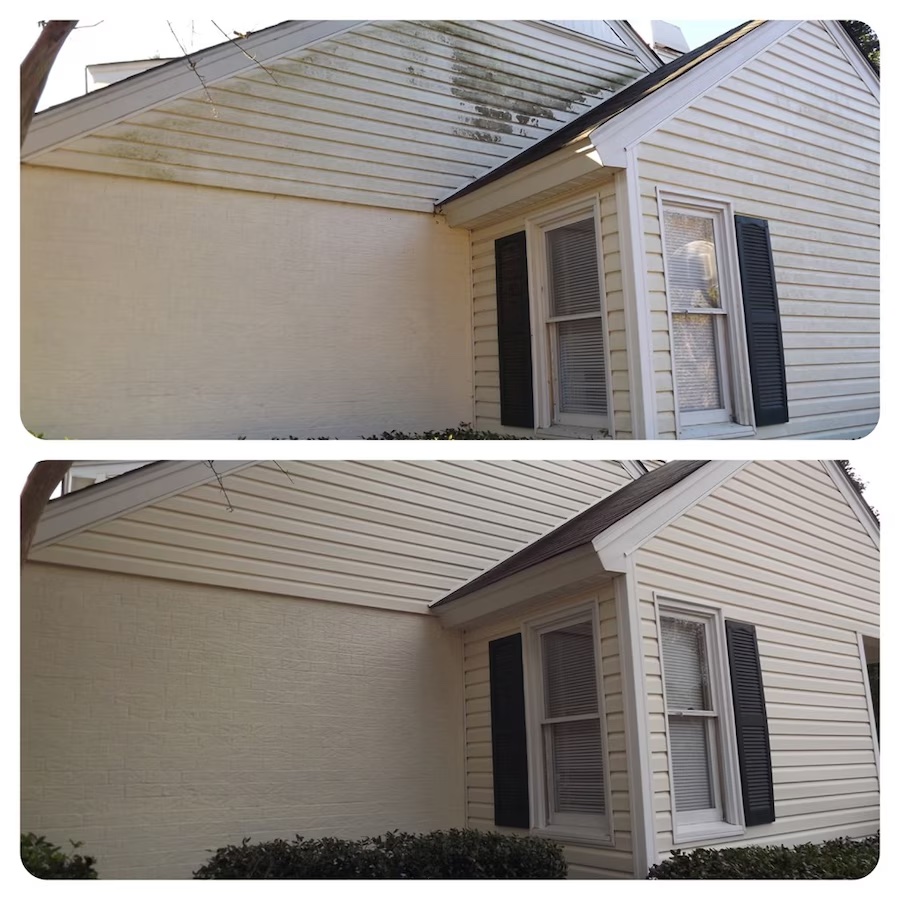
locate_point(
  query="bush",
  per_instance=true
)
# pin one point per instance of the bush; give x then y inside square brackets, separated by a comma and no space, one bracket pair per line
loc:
[440,854]
[841,858]
[463,432]
[44,860]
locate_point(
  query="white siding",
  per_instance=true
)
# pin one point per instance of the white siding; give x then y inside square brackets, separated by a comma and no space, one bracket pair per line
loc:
[388,534]
[778,546]
[793,137]
[392,114]
[486,373]
[160,720]
[173,311]
[611,862]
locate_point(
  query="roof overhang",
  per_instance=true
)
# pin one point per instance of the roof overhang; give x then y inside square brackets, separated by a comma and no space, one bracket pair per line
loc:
[83,115]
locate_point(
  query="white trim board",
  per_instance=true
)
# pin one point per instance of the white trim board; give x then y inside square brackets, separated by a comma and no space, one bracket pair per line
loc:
[857,504]
[83,509]
[76,118]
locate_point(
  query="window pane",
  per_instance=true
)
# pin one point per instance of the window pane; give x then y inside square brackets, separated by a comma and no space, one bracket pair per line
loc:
[577,767]
[570,679]
[696,362]
[690,764]
[582,373]
[684,664]
[574,280]
[692,279]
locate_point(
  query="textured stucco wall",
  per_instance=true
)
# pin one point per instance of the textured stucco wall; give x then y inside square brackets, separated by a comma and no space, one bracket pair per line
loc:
[162,310]
[162,719]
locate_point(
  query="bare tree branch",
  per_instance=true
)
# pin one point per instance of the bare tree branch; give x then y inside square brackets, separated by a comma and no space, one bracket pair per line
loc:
[40,484]
[36,68]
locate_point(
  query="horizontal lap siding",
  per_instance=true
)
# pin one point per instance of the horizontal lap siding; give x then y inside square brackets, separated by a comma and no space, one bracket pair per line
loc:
[793,137]
[394,114]
[589,862]
[486,374]
[160,720]
[393,534]
[778,547]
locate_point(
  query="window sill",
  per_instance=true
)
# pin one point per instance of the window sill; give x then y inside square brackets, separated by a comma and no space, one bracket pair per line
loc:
[724,431]
[706,831]
[571,834]
[572,432]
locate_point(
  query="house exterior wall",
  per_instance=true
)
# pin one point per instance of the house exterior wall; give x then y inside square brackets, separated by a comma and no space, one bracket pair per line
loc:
[176,311]
[376,533]
[161,719]
[778,547]
[486,375]
[391,114]
[584,861]
[792,137]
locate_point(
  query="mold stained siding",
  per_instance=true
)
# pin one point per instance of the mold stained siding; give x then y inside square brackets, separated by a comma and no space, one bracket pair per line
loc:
[778,546]
[584,862]
[391,114]
[486,374]
[396,535]
[793,137]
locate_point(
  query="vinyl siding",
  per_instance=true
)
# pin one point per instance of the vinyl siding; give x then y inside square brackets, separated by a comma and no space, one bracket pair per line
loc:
[392,114]
[486,374]
[778,546]
[174,311]
[584,861]
[396,535]
[162,719]
[792,137]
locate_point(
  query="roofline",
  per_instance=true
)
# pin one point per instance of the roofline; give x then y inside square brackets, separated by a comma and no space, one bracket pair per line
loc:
[858,503]
[83,115]
[74,512]
[627,32]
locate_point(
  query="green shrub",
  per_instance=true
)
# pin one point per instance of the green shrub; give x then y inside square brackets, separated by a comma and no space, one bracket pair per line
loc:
[440,854]
[44,860]
[841,858]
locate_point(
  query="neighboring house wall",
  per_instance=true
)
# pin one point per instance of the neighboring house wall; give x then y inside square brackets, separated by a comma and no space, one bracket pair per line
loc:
[792,137]
[161,720]
[777,546]
[484,293]
[387,534]
[156,310]
[584,860]
[392,114]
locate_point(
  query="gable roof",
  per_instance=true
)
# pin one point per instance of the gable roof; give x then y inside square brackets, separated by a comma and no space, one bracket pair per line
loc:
[583,528]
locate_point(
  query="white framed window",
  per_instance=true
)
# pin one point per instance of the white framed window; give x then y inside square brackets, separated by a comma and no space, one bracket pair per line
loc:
[571,365]
[567,730]
[702,749]
[710,367]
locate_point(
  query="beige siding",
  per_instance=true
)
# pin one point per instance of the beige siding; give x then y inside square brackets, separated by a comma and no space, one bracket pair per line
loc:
[609,862]
[391,114]
[778,546]
[160,719]
[391,534]
[793,137]
[486,374]
[174,311]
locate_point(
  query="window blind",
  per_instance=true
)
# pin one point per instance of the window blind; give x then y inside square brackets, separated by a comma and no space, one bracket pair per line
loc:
[572,269]
[684,661]
[689,741]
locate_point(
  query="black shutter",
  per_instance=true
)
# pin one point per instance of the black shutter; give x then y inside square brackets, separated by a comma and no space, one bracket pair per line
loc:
[752,724]
[763,321]
[508,732]
[514,331]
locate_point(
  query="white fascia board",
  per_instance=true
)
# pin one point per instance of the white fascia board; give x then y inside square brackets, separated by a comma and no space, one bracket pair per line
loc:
[616,545]
[613,138]
[554,577]
[110,499]
[553,171]
[857,504]
[855,57]
[648,57]
[118,101]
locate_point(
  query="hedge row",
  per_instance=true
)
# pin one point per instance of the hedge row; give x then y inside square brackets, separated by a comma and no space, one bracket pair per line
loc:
[45,860]
[841,858]
[440,854]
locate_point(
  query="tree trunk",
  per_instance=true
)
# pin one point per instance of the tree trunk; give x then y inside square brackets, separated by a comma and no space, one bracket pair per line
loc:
[40,484]
[36,67]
